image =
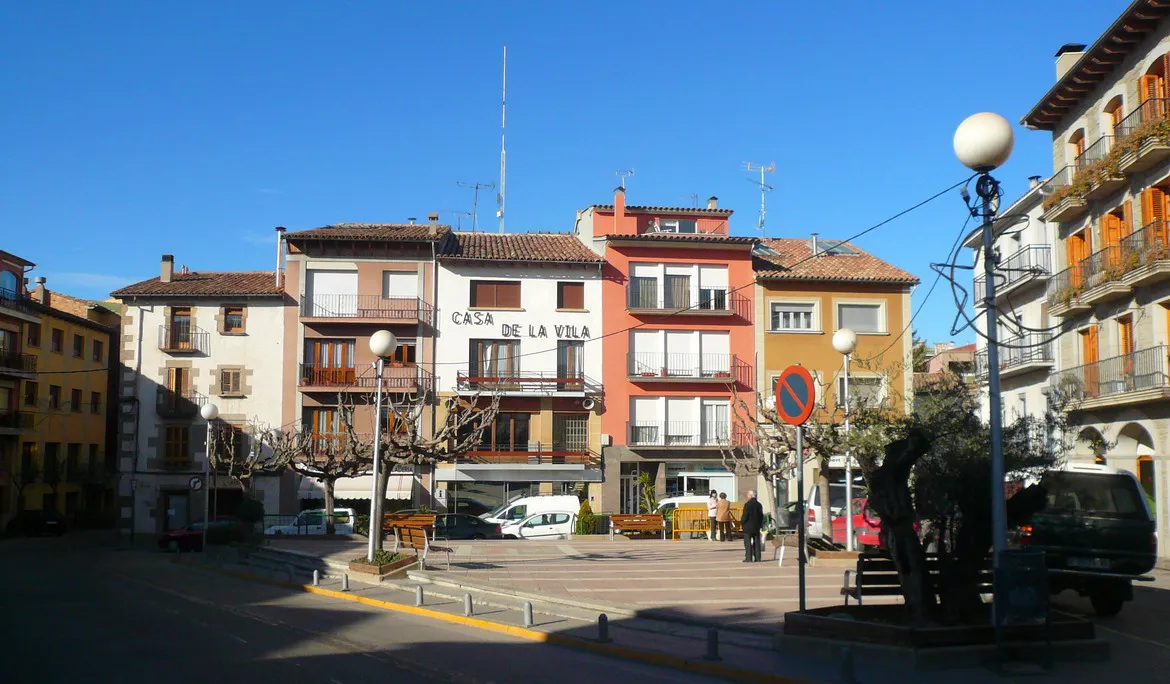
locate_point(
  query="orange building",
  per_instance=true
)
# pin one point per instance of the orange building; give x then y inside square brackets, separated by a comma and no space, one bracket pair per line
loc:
[678,350]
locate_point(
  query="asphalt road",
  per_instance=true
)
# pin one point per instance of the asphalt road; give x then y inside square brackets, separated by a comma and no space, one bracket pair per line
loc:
[72,610]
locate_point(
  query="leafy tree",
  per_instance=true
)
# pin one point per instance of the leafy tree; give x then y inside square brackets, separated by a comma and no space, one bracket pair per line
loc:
[919,357]
[585,518]
[647,499]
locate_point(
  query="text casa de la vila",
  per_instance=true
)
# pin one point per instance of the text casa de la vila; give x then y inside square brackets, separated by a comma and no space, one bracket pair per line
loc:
[568,332]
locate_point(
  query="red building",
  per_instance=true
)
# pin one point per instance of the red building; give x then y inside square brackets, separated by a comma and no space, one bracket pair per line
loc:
[678,344]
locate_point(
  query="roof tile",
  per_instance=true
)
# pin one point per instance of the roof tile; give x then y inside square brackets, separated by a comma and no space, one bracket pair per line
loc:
[536,247]
[794,261]
[206,284]
[382,232]
[646,209]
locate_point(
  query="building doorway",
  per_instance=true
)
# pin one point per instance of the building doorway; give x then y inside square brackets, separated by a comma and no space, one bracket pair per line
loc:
[176,511]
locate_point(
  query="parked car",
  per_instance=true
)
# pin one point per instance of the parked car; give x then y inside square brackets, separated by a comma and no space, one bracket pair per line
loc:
[523,507]
[37,524]
[816,526]
[551,525]
[312,521]
[460,526]
[1095,527]
[190,538]
[867,526]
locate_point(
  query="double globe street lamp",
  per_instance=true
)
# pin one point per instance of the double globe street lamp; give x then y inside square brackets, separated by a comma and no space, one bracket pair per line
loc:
[382,344]
[845,342]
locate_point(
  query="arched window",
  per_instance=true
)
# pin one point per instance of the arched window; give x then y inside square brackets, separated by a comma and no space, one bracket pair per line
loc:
[1114,113]
[1152,89]
[1076,145]
[8,283]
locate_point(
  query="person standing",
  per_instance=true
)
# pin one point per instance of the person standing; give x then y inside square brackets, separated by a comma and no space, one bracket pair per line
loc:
[712,504]
[723,517]
[752,522]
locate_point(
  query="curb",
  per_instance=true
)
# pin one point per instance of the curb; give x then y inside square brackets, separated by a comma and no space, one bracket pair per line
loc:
[648,657]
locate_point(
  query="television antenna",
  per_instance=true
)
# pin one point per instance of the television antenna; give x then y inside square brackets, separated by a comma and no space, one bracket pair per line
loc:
[694,198]
[622,175]
[475,202]
[764,189]
[459,217]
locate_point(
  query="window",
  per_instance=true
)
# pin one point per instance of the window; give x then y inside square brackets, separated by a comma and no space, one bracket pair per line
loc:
[861,318]
[99,351]
[835,248]
[33,337]
[405,354]
[28,454]
[864,391]
[93,458]
[328,362]
[229,381]
[495,358]
[9,288]
[73,461]
[494,294]
[1115,112]
[75,400]
[570,354]
[57,341]
[1076,145]
[322,422]
[793,316]
[31,392]
[818,387]
[54,396]
[570,295]
[95,402]
[179,330]
[177,444]
[231,443]
[713,288]
[509,432]
[52,464]
[677,225]
[233,320]
[78,346]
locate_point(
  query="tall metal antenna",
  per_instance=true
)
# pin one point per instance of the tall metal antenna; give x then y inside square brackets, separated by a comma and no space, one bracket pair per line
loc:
[622,175]
[764,189]
[475,202]
[503,143]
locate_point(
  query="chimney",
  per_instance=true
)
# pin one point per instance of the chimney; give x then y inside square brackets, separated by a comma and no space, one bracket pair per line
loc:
[1033,181]
[1067,56]
[433,218]
[412,219]
[167,274]
[41,294]
[712,202]
[619,208]
[279,254]
[813,244]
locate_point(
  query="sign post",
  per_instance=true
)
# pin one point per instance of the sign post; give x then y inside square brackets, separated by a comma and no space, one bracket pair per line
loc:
[795,397]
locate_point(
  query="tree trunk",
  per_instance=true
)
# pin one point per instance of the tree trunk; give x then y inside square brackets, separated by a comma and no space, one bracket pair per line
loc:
[826,515]
[329,485]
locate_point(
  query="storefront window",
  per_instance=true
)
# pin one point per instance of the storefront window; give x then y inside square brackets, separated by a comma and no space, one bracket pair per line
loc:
[475,498]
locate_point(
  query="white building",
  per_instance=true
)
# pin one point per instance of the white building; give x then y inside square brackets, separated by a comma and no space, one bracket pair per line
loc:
[521,314]
[1026,348]
[188,339]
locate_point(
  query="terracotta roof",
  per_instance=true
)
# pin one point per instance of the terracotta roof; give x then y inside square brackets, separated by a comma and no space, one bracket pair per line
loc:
[68,314]
[1125,35]
[382,232]
[793,260]
[10,257]
[64,302]
[642,209]
[684,237]
[206,284]
[542,247]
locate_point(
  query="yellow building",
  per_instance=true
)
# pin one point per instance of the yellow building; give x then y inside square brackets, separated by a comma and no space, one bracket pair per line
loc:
[809,289]
[66,456]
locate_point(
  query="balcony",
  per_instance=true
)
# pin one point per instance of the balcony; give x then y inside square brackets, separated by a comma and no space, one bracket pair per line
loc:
[1063,204]
[536,454]
[521,383]
[14,304]
[1138,136]
[1019,355]
[1134,378]
[16,422]
[1102,273]
[1064,292]
[1030,264]
[21,365]
[1146,254]
[671,367]
[712,301]
[367,309]
[680,434]
[399,378]
[1104,183]
[171,403]
[183,338]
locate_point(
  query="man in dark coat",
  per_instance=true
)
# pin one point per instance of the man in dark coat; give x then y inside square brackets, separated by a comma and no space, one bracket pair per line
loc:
[752,522]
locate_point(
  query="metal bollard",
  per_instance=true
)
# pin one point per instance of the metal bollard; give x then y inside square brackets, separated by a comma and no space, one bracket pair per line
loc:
[467,607]
[418,597]
[527,615]
[316,578]
[847,676]
[712,645]
[603,629]
[345,582]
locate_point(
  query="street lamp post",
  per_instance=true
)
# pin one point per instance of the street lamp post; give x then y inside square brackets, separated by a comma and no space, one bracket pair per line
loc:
[845,341]
[984,142]
[382,344]
[209,412]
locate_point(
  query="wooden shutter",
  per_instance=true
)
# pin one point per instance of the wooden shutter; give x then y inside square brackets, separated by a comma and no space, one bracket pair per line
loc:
[1091,348]
[1127,218]
[1125,333]
[1115,118]
[483,294]
[508,295]
[1148,89]
[572,296]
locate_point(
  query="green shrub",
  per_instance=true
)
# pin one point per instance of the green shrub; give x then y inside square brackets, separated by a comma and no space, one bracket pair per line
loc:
[381,557]
[250,511]
[585,518]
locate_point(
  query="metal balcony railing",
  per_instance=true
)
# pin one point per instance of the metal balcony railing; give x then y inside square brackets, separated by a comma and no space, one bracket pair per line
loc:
[1094,153]
[401,378]
[404,309]
[534,382]
[1149,244]
[16,420]
[183,338]
[1134,372]
[1030,261]
[1059,179]
[710,300]
[1018,351]
[1150,110]
[25,363]
[543,454]
[11,299]
[687,366]
[679,433]
[171,403]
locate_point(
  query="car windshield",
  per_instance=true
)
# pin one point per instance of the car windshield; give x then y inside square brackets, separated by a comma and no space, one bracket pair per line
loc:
[1101,495]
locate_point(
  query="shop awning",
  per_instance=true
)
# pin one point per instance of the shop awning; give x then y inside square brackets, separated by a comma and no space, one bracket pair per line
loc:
[532,473]
[398,487]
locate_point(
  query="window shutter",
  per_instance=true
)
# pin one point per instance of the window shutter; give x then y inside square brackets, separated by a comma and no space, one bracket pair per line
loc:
[1127,217]
[1148,89]
[508,295]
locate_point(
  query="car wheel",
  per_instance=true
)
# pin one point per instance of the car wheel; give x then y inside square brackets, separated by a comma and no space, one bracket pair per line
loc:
[173,546]
[1107,600]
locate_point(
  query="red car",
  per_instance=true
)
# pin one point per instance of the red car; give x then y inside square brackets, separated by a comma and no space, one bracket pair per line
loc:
[867,527]
[190,538]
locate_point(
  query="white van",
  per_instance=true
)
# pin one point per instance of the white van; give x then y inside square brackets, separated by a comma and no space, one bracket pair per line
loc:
[519,509]
[672,502]
[313,522]
[547,525]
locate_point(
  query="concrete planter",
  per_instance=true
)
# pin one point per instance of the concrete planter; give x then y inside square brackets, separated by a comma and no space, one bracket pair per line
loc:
[397,567]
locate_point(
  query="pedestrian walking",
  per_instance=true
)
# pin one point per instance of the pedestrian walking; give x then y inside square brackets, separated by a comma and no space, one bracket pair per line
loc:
[712,504]
[723,517]
[752,522]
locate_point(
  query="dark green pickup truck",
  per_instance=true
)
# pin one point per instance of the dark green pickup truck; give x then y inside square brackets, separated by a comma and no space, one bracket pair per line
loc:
[1095,528]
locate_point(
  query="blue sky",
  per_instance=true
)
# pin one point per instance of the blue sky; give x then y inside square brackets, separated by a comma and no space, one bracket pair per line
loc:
[133,129]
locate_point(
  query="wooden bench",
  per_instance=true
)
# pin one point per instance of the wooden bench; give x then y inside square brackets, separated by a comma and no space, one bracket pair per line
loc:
[392,521]
[416,538]
[876,575]
[637,523]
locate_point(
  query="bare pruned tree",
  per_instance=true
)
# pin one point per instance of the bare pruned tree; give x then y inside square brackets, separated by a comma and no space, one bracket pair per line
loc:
[243,453]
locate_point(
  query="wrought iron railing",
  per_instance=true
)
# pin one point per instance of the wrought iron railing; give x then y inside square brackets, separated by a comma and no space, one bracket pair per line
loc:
[709,300]
[686,366]
[171,403]
[544,454]
[11,299]
[679,433]
[1059,179]
[1019,351]
[1033,260]
[16,420]
[1145,246]
[183,338]
[26,363]
[1150,110]
[394,377]
[537,382]
[1140,370]
[366,306]
[1094,153]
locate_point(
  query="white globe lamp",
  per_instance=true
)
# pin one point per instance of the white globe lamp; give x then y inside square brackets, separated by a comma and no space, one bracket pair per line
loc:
[209,412]
[984,141]
[383,343]
[845,341]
